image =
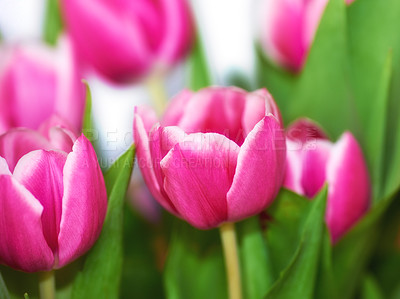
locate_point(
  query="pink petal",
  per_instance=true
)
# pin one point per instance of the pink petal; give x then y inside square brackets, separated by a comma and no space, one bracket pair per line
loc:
[84,202]
[294,166]
[198,174]
[282,37]
[56,120]
[148,116]
[305,130]
[28,87]
[162,140]
[4,167]
[217,110]
[18,142]
[70,99]
[315,157]
[349,191]
[312,15]
[144,160]
[23,245]
[260,169]
[178,35]
[176,108]
[254,111]
[40,172]
[114,42]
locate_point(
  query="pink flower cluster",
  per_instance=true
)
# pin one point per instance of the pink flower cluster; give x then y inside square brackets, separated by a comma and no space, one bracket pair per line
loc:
[219,155]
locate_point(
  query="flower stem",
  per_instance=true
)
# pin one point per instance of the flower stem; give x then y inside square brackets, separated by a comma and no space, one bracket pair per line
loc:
[228,237]
[156,87]
[47,285]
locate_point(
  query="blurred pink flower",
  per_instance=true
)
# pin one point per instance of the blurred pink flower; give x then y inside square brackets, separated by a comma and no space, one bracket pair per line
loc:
[288,28]
[125,39]
[312,161]
[36,82]
[53,197]
[218,154]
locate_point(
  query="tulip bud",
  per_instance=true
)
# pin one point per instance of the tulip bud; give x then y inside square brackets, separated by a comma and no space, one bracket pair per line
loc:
[287,29]
[312,161]
[37,82]
[124,39]
[53,198]
[217,156]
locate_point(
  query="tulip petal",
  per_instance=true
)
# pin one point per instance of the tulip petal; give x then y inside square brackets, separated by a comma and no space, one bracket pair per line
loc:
[198,174]
[254,111]
[84,203]
[305,130]
[4,167]
[40,172]
[294,166]
[315,157]
[98,30]
[349,191]
[176,108]
[144,160]
[148,117]
[259,171]
[283,35]
[217,110]
[29,86]
[178,31]
[18,142]
[162,140]
[23,245]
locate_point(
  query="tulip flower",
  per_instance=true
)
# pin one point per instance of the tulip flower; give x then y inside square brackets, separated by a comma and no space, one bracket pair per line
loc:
[217,156]
[53,198]
[37,82]
[312,161]
[288,28]
[125,39]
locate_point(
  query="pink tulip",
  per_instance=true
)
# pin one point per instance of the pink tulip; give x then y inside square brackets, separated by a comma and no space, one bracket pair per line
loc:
[217,156]
[125,39]
[288,28]
[312,161]
[37,82]
[53,198]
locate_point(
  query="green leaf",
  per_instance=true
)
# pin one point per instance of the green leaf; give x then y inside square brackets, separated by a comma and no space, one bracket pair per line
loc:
[3,289]
[285,218]
[325,286]
[194,264]
[322,91]
[199,75]
[101,274]
[352,253]
[53,23]
[374,141]
[256,268]
[87,124]
[299,278]
[279,82]
[371,38]
[371,289]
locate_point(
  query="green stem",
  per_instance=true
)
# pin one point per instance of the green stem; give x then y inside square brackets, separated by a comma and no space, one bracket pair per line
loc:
[229,244]
[156,87]
[47,285]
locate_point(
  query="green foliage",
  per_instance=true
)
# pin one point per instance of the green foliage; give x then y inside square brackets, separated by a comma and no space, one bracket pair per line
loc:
[87,124]
[195,266]
[53,23]
[199,75]
[3,289]
[101,274]
[298,279]
[256,271]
